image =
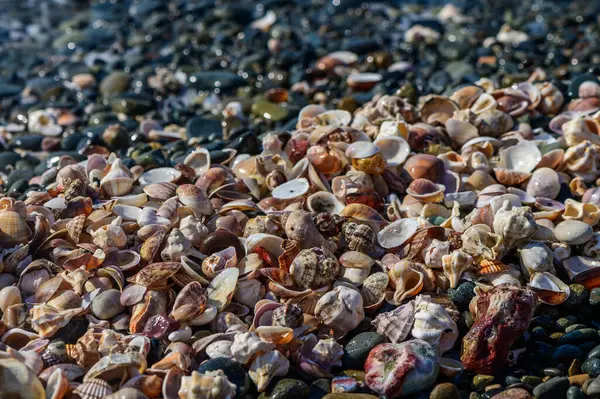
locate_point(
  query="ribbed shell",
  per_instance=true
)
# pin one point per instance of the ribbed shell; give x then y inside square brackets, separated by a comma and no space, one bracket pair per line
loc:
[396,324]
[94,388]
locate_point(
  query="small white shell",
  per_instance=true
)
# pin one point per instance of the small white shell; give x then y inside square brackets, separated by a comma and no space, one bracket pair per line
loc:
[291,189]
[199,160]
[395,149]
[246,345]
[361,149]
[522,157]
[159,175]
[397,233]
[323,201]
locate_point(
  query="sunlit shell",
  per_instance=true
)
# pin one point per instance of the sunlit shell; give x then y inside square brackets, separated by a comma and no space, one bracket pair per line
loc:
[199,160]
[291,189]
[323,201]
[425,190]
[395,149]
[549,288]
[510,177]
[396,324]
[93,389]
[361,149]
[159,175]
[583,270]
[364,214]
[522,157]
[397,233]
[460,132]
[221,288]
[160,191]
[267,366]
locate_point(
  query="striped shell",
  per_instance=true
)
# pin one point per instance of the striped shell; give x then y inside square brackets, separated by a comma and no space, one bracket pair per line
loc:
[94,388]
[396,324]
[487,266]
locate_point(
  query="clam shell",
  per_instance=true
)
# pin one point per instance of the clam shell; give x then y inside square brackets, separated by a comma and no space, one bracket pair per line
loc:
[361,149]
[323,201]
[160,191]
[94,388]
[221,288]
[364,214]
[395,149]
[291,189]
[460,132]
[159,175]
[583,270]
[397,233]
[522,157]
[199,160]
[549,288]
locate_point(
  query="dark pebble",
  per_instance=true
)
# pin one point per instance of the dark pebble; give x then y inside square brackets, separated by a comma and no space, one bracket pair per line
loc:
[591,367]
[358,348]
[236,373]
[566,353]
[552,389]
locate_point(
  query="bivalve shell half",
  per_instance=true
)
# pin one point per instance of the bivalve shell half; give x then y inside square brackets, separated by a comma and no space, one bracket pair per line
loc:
[522,157]
[361,149]
[397,233]
[221,288]
[549,288]
[292,189]
[395,149]
[323,201]
[583,270]
[159,175]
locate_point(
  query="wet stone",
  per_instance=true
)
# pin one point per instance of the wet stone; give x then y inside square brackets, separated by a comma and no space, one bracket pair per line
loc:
[554,388]
[358,348]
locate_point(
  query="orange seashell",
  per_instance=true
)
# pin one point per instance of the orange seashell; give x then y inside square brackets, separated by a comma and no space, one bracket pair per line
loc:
[487,266]
[425,166]
[291,248]
[325,160]
[551,159]
[510,177]
[151,246]
[75,228]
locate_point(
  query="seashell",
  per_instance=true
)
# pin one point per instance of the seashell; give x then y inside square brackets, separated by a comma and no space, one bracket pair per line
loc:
[487,266]
[363,81]
[341,308]
[208,385]
[114,363]
[159,175]
[583,270]
[221,288]
[434,325]
[323,201]
[199,160]
[266,366]
[18,381]
[218,261]
[57,385]
[466,96]
[288,315]
[246,345]
[116,180]
[396,324]
[453,161]
[177,246]
[426,191]
[110,235]
[459,131]
[189,303]
[13,227]
[413,365]
[397,233]
[325,159]
[333,118]
[580,160]
[548,288]
[394,149]
[510,177]
[248,292]
[432,255]
[373,288]
[193,229]
[438,109]
[480,242]
[300,227]
[275,334]
[364,214]
[545,183]
[522,157]
[579,130]
[195,199]
[160,191]
[147,216]
[9,296]
[587,213]
[46,320]
[314,267]
[408,281]
[219,349]
[454,265]
[94,388]
[535,257]
[514,225]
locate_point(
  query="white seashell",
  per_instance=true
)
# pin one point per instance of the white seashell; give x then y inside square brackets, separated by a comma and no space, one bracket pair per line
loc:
[291,189]
[341,308]
[199,160]
[220,349]
[433,254]
[511,277]
[514,225]
[455,264]
[336,117]
[397,233]
[147,216]
[193,229]
[209,385]
[522,157]
[549,288]
[460,132]
[265,22]
[396,324]
[248,292]
[127,212]
[135,200]
[535,257]
[266,366]
[56,203]
[323,201]
[182,335]
[361,149]
[581,268]
[588,213]
[270,242]
[222,287]
[392,129]
[434,325]
[205,317]
[159,175]
[246,345]
[394,149]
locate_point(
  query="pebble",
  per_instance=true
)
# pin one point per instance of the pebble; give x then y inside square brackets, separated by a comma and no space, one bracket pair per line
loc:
[553,372]
[445,390]
[513,393]
[575,393]
[554,388]
[107,304]
[573,232]
[595,296]
[531,380]
[480,381]
[578,336]
[579,295]
[593,389]
[358,348]
[566,353]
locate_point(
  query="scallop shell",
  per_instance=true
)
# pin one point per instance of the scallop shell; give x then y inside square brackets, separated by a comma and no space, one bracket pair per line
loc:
[94,388]
[396,324]
[487,266]
[549,288]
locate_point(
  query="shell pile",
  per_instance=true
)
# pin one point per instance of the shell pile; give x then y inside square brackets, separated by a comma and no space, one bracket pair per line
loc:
[176,269]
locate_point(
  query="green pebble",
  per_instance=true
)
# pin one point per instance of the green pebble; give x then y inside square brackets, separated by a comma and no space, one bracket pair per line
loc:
[531,380]
[565,322]
[445,390]
[579,295]
[556,336]
[575,327]
[480,381]
[358,348]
